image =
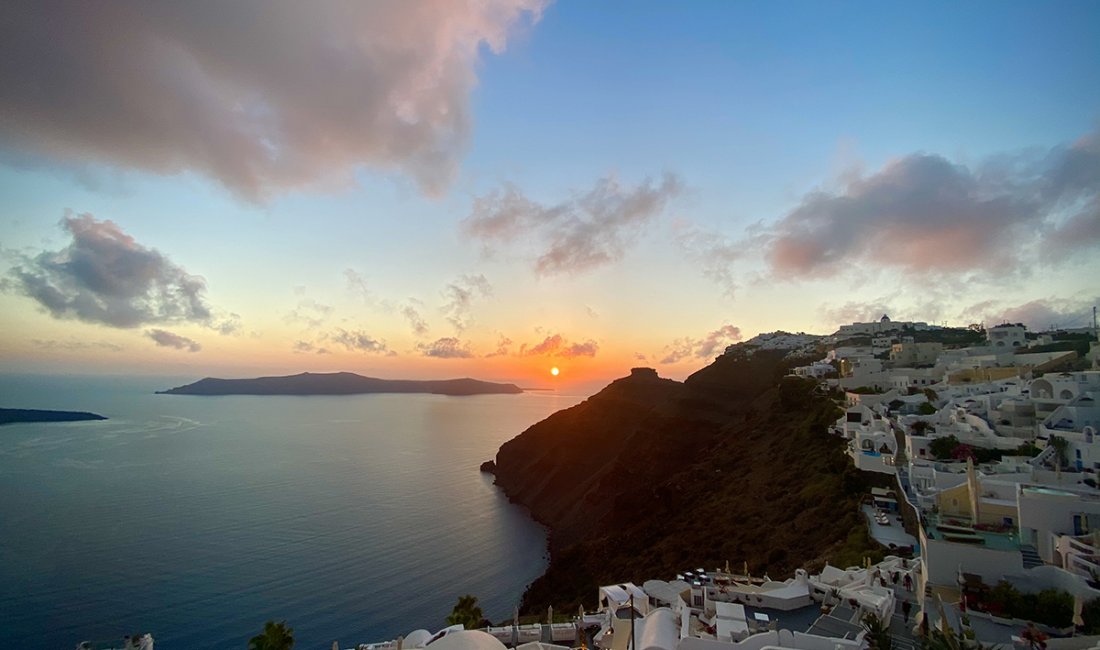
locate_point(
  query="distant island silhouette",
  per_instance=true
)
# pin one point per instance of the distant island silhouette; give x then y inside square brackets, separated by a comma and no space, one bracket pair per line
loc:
[13,416]
[339,383]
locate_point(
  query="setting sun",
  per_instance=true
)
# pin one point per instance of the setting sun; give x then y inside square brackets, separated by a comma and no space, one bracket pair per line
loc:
[554,371]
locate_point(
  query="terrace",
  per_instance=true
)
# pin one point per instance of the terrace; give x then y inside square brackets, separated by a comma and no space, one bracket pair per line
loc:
[962,531]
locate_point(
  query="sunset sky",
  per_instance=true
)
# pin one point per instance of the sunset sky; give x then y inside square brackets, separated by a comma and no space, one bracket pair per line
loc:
[492,188]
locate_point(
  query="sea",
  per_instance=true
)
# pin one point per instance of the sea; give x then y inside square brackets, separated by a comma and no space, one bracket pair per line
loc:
[196,519]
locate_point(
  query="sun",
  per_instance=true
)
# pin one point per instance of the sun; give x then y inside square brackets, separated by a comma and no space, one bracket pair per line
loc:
[554,371]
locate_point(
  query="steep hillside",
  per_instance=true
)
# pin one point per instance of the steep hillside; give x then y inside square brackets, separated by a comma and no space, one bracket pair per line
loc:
[652,476]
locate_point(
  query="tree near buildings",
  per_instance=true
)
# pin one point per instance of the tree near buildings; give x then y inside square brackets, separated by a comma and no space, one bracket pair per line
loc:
[466,613]
[276,636]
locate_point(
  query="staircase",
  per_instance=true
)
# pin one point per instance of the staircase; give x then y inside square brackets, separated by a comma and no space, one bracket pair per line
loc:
[1030,556]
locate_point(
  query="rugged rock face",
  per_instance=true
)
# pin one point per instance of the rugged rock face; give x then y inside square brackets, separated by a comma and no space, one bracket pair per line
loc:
[651,476]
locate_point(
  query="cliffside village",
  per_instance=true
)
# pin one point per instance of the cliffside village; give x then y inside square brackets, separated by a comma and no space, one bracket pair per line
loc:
[991,518]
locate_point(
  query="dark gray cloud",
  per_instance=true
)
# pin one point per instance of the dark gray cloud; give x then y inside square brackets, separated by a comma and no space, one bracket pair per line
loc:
[576,235]
[556,345]
[459,297]
[359,341]
[168,339]
[447,347]
[924,213]
[103,276]
[710,346]
[259,95]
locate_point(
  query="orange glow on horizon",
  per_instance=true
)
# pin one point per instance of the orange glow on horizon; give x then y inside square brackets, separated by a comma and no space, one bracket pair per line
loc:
[554,371]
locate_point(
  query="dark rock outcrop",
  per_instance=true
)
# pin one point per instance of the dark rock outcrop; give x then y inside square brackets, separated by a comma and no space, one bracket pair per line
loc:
[338,383]
[12,416]
[651,476]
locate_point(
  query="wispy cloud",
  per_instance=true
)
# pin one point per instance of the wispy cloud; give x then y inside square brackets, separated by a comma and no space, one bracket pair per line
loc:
[104,276]
[556,345]
[260,96]
[579,234]
[503,345]
[447,347]
[73,343]
[923,213]
[359,341]
[309,313]
[357,284]
[416,322]
[459,296]
[304,347]
[711,345]
[168,339]
[714,253]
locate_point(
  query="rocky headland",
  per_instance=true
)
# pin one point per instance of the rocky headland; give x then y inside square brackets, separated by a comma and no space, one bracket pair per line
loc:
[652,476]
[13,416]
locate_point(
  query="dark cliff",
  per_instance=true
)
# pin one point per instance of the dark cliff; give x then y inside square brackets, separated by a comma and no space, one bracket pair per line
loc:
[651,476]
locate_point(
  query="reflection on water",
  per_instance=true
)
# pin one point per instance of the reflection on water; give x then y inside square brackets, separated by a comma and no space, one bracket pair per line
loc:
[354,518]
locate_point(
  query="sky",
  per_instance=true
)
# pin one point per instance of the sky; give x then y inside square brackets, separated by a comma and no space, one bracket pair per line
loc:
[495,188]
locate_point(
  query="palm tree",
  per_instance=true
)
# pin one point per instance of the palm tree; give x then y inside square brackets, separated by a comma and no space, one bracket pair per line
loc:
[276,636]
[878,634]
[466,613]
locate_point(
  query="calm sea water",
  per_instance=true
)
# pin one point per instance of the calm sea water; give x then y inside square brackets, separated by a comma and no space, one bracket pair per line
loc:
[353,518]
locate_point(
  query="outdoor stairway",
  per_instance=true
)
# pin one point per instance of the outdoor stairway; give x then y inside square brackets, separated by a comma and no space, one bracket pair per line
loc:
[901,634]
[1030,556]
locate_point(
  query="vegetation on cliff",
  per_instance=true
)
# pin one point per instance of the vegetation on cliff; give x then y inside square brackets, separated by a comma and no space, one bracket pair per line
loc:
[650,477]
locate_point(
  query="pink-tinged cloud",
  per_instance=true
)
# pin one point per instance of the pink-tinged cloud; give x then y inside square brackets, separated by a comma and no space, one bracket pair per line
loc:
[711,345]
[167,339]
[447,347]
[503,345]
[1037,315]
[259,95]
[585,232]
[104,276]
[556,345]
[923,213]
